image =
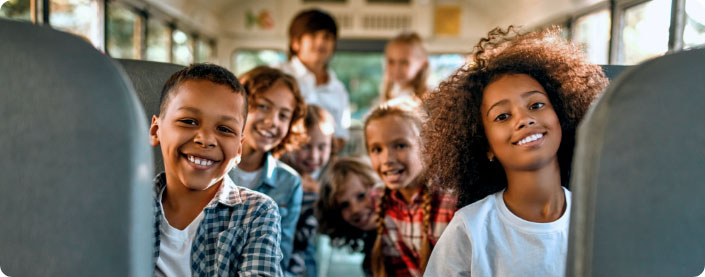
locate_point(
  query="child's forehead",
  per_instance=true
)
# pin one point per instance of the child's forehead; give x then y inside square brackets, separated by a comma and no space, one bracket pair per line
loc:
[204,94]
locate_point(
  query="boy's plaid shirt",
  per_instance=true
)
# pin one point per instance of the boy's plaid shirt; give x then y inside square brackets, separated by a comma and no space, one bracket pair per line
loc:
[239,234]
[402,237]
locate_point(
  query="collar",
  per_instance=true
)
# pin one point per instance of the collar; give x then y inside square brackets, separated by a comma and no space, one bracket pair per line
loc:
[227,194]
[398,198]
[301,71]
[270,163]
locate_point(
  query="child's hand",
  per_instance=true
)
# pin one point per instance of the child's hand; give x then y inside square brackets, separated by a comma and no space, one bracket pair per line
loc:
[310,184]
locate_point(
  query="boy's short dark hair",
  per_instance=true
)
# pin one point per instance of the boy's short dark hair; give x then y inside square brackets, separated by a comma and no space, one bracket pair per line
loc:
[202,71]
[310,21]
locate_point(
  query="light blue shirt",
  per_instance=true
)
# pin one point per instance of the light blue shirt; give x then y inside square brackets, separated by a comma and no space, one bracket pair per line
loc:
[283,184]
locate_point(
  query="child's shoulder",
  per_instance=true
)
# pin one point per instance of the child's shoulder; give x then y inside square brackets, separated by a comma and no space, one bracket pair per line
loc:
[479,211]
[255,200]
[284,171]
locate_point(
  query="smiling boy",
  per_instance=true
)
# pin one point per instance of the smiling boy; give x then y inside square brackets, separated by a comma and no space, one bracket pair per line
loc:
[205,224]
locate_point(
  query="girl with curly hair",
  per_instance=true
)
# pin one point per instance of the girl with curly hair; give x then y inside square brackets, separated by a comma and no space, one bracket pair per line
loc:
[345,210]
[410,216]
[501,134]
[273,126]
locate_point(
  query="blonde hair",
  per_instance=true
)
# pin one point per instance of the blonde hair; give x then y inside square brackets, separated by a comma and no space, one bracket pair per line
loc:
[328,213]
[419,81]
[412,113]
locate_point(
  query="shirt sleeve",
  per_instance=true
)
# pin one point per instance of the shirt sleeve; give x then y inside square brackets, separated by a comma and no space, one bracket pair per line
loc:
[261,254]
[452,255]
[289,221]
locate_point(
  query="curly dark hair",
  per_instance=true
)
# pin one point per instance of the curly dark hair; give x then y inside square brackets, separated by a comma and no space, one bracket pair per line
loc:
[456,144]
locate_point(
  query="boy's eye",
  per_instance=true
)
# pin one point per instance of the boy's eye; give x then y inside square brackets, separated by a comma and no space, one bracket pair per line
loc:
[262,107]
[401,145]
[375,149]
[188,121]
[361,195]
[536,105]
[225,129]
[501,117]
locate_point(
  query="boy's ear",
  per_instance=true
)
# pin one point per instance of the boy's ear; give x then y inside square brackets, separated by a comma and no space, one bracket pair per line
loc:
[296,44]
[154,131]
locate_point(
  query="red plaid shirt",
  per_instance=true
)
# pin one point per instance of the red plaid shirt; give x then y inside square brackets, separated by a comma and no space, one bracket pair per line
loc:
[402,237]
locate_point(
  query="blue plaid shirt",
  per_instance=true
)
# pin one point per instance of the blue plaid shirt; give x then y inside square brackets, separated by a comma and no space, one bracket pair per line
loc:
[239,234]
[283,184]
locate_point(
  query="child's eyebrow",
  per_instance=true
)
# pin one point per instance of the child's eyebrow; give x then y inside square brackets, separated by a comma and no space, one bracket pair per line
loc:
[504,101]
[190,109]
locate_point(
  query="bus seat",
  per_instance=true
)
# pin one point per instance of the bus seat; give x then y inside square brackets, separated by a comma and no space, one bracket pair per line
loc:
[76,176]
[639,174]
[612,71]
[148,79]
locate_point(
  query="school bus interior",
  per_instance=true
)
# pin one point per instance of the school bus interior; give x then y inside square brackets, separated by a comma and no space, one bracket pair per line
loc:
[75,185]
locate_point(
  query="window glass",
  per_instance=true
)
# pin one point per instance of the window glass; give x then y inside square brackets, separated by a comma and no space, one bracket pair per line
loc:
[79,17]
[442,66]
[645,33]
[361,73]
[182,48]
[244,60]
[15,9]
[122,33]
[157,41]
[694,32]
[204,51]
[592,32]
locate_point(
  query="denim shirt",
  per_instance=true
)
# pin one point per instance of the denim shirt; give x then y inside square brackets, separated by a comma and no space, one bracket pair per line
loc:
[238,235]
[283,184]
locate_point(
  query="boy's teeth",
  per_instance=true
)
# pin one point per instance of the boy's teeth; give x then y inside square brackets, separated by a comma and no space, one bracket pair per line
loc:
[200,161]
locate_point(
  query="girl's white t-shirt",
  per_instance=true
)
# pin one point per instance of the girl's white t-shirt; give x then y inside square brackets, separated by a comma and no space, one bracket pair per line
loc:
[486,239]
[175,246]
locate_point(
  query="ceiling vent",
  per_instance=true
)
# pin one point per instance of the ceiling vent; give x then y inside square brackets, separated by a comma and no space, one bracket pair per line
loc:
[386,22]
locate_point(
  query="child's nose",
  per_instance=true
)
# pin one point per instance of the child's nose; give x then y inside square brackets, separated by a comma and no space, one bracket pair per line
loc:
[524,120]
[204,139]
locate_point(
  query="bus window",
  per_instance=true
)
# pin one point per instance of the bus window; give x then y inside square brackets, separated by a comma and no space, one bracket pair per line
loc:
[443,66]
[694,33]
[182,48]
[592,31]
[243,60]
[15,9]
[361,73]
[204,51]
[157,41]
[123,32]
[645,33]
[79,17]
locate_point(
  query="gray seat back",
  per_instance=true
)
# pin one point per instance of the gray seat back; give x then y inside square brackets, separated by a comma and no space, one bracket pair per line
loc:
[76,177]
[612,71]
[148,79]
[639,174]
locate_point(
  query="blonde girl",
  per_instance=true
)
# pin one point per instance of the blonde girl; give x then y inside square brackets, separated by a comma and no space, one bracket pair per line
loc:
[406,68]
[410,216]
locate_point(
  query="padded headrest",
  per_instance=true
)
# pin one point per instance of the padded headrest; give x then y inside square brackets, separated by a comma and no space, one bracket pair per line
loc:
[639,174]
[76,177]
[148,79]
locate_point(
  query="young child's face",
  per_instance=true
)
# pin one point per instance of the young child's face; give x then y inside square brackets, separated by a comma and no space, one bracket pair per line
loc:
[269,118]
[200,133]
[315,48]
[403,62]
[522,128]
[355,203]
[315,153]
[394,148]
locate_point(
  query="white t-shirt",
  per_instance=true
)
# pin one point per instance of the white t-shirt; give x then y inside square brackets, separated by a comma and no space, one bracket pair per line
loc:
[245,178]
[331,96]
[175,246]
[486,239]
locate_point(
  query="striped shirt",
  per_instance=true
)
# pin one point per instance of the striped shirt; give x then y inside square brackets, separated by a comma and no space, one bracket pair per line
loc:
[238,236]
[403,232]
